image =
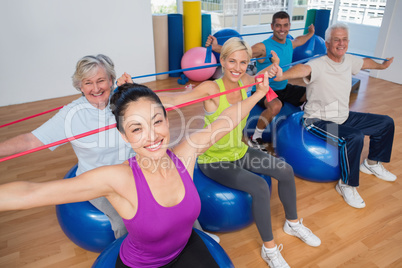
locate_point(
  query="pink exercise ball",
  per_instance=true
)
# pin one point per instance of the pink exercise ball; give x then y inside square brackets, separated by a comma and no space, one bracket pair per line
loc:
[195,57]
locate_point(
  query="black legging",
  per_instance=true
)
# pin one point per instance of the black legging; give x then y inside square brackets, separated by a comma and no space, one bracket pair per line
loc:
[195,255]
[239,175]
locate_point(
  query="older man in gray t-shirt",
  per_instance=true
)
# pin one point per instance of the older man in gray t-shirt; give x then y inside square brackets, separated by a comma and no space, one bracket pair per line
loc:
[327,114]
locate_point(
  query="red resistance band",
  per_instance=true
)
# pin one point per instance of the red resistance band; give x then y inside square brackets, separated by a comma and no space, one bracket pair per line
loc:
[58,108]
[114,125]
[29,117]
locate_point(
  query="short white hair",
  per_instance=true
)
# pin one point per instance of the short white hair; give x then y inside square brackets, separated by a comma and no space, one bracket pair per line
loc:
[330,29]
[89,64]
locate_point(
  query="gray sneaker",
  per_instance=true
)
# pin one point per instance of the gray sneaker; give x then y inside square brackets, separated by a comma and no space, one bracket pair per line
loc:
[378,170]
[274,259]
[350,195]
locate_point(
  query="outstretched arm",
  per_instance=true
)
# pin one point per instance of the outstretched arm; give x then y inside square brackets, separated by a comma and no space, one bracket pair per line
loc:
[18,144]
[301,40]
[87,186]
[371,64]
[200,141]
[176,98]
[202,90]
[297,71]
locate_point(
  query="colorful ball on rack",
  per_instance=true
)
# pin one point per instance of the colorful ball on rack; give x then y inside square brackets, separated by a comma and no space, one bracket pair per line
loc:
[195,57]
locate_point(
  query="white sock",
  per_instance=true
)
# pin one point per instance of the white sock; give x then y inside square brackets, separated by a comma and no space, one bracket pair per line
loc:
[257,133]
[270,250]
[293,224]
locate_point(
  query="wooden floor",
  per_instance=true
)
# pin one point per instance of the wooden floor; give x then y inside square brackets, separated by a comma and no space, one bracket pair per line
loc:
[369,237]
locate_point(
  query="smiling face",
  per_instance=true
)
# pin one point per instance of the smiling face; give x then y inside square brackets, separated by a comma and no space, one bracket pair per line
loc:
[97,88]
[280,30]
[146,129]
[235,65]
[338,44]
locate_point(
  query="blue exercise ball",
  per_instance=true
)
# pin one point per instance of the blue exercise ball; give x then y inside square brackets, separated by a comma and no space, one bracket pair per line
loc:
[222,36]
[85,225]
[108,257]
[269,134]
[217,252]
[223,209]
[314,46]
[312,159]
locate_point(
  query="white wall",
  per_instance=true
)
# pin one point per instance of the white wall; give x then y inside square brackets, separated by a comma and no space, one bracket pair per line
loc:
[363,38]
[389,42]
[42,40]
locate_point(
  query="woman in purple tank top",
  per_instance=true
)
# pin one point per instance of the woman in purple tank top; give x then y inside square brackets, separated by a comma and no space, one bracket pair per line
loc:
[153,192]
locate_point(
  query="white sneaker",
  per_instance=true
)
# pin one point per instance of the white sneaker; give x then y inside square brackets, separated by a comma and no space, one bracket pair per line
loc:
[378,170]
[303,233]
[350,195]
[274,259]
[214,237]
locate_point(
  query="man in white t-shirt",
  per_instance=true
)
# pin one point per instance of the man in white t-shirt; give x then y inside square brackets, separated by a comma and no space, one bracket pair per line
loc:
[327,115]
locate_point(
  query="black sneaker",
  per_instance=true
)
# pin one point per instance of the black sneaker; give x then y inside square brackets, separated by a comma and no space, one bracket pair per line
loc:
[257,144]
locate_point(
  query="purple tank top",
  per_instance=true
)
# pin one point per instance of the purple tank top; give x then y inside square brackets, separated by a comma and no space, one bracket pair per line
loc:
[157,234]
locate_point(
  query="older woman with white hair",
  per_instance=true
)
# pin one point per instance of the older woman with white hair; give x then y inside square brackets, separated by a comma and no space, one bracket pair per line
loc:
[94,77]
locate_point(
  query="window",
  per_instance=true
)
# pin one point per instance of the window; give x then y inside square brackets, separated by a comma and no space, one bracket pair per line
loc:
[255,12]
[367,14]
[297,18]
[163,6]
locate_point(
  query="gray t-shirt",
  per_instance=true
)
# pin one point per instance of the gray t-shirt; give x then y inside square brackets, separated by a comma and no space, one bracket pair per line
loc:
[100,149]
[328,89]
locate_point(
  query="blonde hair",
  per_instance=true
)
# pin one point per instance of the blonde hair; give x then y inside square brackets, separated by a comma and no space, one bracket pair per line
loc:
[232,45]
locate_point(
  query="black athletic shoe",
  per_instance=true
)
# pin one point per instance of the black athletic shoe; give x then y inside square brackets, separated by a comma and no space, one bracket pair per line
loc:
[257,144]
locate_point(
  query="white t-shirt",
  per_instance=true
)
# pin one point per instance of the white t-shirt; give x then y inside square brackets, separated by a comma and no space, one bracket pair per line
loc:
[328,90]
[100,149]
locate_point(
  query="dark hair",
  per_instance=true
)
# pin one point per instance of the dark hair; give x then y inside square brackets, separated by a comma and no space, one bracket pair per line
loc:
[280,15]
[127,93]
